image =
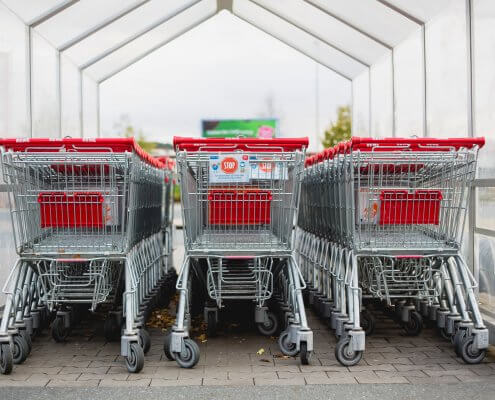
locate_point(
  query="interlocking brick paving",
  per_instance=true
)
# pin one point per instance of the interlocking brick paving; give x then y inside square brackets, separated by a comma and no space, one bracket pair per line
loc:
[233,359]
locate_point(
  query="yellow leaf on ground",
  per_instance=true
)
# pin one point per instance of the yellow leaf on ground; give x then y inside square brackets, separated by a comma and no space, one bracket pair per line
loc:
[260,351]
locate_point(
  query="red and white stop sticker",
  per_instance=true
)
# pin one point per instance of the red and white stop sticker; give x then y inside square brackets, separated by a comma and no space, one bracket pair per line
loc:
[265,166]
[229,165]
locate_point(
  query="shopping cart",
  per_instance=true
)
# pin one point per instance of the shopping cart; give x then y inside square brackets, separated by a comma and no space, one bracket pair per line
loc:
[239,201]
[86,217]
[382,220]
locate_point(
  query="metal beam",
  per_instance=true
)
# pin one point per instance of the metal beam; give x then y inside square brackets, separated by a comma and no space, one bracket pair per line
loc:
[349,24]
[72,42]
[402,12]
[307,31]
[341,74]
[153,49]
[50,13]
[147,29]
[224,5]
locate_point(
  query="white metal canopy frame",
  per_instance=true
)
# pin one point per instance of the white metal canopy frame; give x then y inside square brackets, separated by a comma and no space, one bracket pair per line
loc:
[345,36]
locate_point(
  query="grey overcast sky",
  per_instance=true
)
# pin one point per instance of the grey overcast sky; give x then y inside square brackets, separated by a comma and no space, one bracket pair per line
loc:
[224,68]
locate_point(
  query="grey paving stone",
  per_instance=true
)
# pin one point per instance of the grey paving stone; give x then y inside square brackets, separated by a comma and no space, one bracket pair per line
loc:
[111,382]
[65,383]
[228,382]
[175,382]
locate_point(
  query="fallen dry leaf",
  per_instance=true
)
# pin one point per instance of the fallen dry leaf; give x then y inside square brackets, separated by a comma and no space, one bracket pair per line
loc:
[260,351]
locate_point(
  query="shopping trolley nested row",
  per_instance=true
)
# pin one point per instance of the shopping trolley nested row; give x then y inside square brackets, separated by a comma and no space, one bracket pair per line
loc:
[239,202]
[383,219]
[88,227]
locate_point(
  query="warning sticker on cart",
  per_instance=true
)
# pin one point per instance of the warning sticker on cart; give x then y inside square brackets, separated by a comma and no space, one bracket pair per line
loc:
[267,168]
[229,168]
[367,207]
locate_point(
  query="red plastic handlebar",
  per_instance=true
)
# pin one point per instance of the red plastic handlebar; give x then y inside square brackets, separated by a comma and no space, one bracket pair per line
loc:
[245,144]
[96,145]
[395,144]
[416,144]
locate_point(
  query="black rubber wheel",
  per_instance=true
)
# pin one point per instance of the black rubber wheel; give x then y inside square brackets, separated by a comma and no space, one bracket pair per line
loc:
[468,353]
[286,347]
[414,326]
[27,338]
[6,359]
[211,325]
[111,329]
[59,331]
[144,340]
[368,322]
[135,360]
[20,349]
[304,353]
[166,347]
[344,355]
[444,334]
[189,357]
[270,327]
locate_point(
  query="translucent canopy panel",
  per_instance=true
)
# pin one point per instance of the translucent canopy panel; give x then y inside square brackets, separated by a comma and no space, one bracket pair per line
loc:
[90,107]
[78,18]
[423,10]
[446,72]
[484,90]
[13,70]
[70,98]
[297,38]
[409,86]
[122,30]
[326,28]
[368,16]
[29,10]
[381,98]
[44,90]
[361,105]
[152,40]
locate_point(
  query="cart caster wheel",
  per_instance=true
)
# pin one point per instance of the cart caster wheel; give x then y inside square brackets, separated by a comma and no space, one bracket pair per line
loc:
[144,340]
[166,347]
[304,354]
[20,349]
[189,357]
[6,360]
[368,322]
[457,340]
[211,327]
[286,347]
[111,329]
[135,360]
[444,334]
[468,353]
[59,331]
[27,338]
[415,324]
[345,355]
[270,327]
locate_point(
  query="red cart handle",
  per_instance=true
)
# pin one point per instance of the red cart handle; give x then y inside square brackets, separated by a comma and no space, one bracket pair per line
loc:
[80,145]
[415,144]
[244,144]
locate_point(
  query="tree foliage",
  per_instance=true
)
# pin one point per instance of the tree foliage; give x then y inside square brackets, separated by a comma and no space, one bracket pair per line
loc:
[125,128]
[340,130]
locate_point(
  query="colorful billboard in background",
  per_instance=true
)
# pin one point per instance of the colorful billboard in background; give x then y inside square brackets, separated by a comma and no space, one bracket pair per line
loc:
[225,128]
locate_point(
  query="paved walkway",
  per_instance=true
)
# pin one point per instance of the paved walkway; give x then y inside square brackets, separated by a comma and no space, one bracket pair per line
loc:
[243,358]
